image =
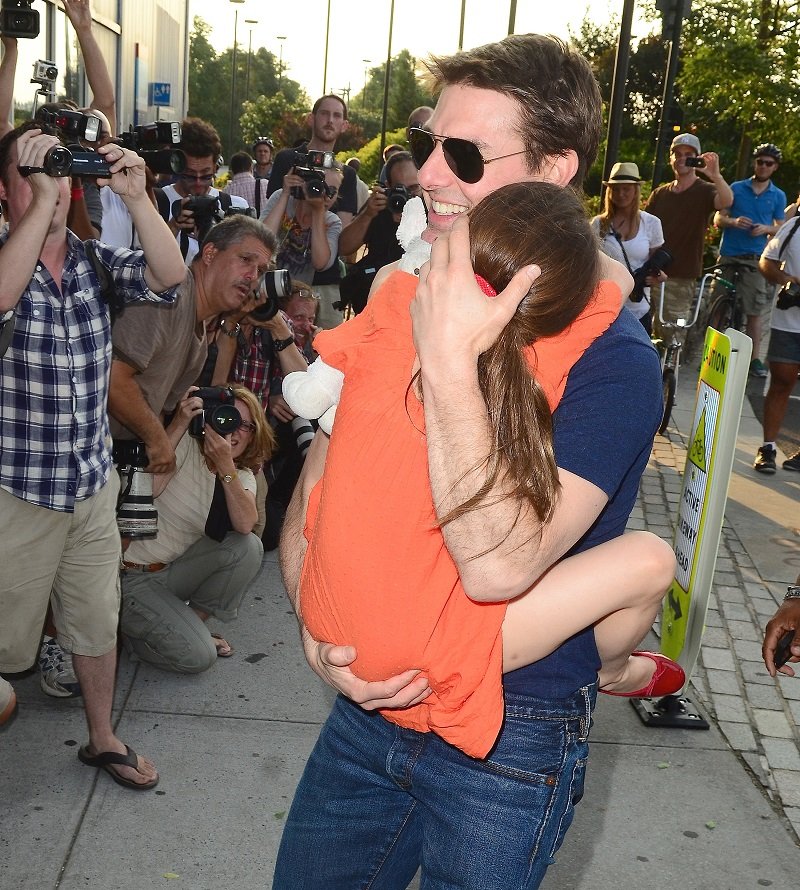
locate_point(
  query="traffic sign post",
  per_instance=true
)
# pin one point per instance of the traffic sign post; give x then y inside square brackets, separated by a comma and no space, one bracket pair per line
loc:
[701,512]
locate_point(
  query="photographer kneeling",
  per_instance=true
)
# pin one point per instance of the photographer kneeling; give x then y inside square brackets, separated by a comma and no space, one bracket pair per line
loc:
[205,553]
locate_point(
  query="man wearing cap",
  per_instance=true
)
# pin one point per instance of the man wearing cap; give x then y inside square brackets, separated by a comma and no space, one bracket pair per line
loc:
[263,148]
[755,216]
[684,207]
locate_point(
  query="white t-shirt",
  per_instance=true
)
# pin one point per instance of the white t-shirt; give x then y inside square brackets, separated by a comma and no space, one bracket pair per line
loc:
[182,507]
[172,195]
[785,319]
[638,249]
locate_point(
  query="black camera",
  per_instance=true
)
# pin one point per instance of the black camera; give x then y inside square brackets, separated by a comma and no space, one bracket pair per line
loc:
[71,124]
[313,184]
[657,262]
[73,161]
[310,165]
[219,412]
[695,161]
[789,296]
[153,142]
[136,515]
[397,198]
[17,19]
[274,286]
[205,209]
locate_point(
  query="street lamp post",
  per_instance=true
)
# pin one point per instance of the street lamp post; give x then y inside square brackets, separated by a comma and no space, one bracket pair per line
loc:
[280,60]
[367,63]
[249,56]
[233,74]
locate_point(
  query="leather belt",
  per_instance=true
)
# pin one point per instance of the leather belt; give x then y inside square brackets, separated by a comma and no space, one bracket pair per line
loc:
[147,567]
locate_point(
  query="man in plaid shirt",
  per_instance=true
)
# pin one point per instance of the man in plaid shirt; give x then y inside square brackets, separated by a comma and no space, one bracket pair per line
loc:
[57,491]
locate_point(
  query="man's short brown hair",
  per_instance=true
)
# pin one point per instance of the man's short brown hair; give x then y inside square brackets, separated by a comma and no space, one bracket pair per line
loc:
[558,96]
[200,139]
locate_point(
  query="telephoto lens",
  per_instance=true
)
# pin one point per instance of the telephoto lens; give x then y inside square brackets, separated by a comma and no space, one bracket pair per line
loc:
[274,286]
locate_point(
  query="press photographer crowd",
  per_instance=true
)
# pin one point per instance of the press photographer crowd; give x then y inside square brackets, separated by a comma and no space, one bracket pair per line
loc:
[148,320]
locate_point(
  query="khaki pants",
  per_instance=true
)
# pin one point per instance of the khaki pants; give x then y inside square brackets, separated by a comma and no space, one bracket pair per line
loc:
[68,559]
[156,623]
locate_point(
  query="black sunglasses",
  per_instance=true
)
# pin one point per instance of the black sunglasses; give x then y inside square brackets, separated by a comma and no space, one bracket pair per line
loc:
[462,156]
[768,162]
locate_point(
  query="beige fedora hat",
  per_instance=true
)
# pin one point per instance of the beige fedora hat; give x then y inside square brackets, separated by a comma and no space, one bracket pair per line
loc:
[623,172]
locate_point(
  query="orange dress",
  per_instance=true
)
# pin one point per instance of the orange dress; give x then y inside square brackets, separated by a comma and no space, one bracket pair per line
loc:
[377,574]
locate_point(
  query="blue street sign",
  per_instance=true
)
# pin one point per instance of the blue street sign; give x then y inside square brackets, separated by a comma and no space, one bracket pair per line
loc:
[159,94]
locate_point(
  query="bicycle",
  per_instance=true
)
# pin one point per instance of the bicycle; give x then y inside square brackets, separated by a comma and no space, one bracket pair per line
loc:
[726,311]
[670,347]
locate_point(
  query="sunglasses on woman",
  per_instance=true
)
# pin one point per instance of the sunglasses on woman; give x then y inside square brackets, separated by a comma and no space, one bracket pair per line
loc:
[462,156]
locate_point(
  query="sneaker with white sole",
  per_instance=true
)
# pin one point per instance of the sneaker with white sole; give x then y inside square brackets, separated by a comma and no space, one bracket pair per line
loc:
[765,459]
[57,676]
[758,368]
[792,463]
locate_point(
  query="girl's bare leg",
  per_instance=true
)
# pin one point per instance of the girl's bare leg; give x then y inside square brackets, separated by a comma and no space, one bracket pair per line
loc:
[617,587]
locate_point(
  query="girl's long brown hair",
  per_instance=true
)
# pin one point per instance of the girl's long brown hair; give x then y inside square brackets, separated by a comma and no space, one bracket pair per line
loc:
[517,225]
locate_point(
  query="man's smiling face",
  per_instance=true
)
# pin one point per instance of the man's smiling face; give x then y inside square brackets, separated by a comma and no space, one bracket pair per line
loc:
[487,118]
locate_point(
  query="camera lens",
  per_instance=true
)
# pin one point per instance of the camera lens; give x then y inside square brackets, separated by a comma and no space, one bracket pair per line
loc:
[224,419]
[315,188]
[277,283]
[57,161]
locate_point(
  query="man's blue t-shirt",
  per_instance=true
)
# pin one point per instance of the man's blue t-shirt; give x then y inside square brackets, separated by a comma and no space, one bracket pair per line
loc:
[603,431]
[763,209]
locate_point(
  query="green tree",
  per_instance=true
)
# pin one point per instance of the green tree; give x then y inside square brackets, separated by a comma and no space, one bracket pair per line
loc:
[738,82]
[406,92]
[212,96]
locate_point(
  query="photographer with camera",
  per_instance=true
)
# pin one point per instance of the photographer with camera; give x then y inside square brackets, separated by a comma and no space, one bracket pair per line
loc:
[56,486]
[205,555]
[158,354]
[376,226]
[300,215]
[191,205]
[244,184]
[780,264]
[327,120]
[756,214]
[630,235]
[684,207]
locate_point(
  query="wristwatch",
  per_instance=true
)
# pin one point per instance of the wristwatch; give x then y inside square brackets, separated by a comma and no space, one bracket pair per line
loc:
[280,345]
[792,593]
[230,332]
[229,477]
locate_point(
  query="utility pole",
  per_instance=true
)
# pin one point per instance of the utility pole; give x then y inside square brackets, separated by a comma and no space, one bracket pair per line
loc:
[618,92]
[673,13]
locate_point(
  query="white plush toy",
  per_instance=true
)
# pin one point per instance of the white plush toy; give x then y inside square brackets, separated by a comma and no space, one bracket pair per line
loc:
[314,394]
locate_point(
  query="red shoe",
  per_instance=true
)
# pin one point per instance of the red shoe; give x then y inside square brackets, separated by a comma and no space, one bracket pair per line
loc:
[668,678]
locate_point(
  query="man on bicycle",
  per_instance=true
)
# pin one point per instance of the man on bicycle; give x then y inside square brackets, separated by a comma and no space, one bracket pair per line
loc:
[684,207]
[755,215]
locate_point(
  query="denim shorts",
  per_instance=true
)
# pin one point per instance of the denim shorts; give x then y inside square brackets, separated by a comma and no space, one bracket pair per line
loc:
[784,347]
[376,802]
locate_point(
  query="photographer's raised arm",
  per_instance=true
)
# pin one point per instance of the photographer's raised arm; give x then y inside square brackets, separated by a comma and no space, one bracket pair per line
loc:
[165,265]
[79,12]
[8,69]
[28,234]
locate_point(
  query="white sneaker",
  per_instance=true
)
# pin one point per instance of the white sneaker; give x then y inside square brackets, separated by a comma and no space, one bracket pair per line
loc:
[8,702]
[57,676]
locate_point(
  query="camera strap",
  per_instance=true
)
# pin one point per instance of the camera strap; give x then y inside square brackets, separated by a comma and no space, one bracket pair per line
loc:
[7,332]
[108,291]
[789,237]
[616,234]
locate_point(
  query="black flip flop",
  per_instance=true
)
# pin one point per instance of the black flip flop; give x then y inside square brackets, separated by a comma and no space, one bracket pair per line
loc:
[108,759]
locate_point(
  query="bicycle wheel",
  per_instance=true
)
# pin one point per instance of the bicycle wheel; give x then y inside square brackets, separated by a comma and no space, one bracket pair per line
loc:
[668,391]
[720,316]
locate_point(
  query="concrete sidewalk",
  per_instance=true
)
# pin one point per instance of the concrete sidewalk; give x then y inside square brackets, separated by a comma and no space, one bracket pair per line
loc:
[663,808]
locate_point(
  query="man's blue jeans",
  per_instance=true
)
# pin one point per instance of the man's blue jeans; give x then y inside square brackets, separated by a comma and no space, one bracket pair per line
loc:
[376,802]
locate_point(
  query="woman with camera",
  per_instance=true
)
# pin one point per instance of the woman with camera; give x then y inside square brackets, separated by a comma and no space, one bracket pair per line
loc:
[299,214]
[204,555]
[630,235]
